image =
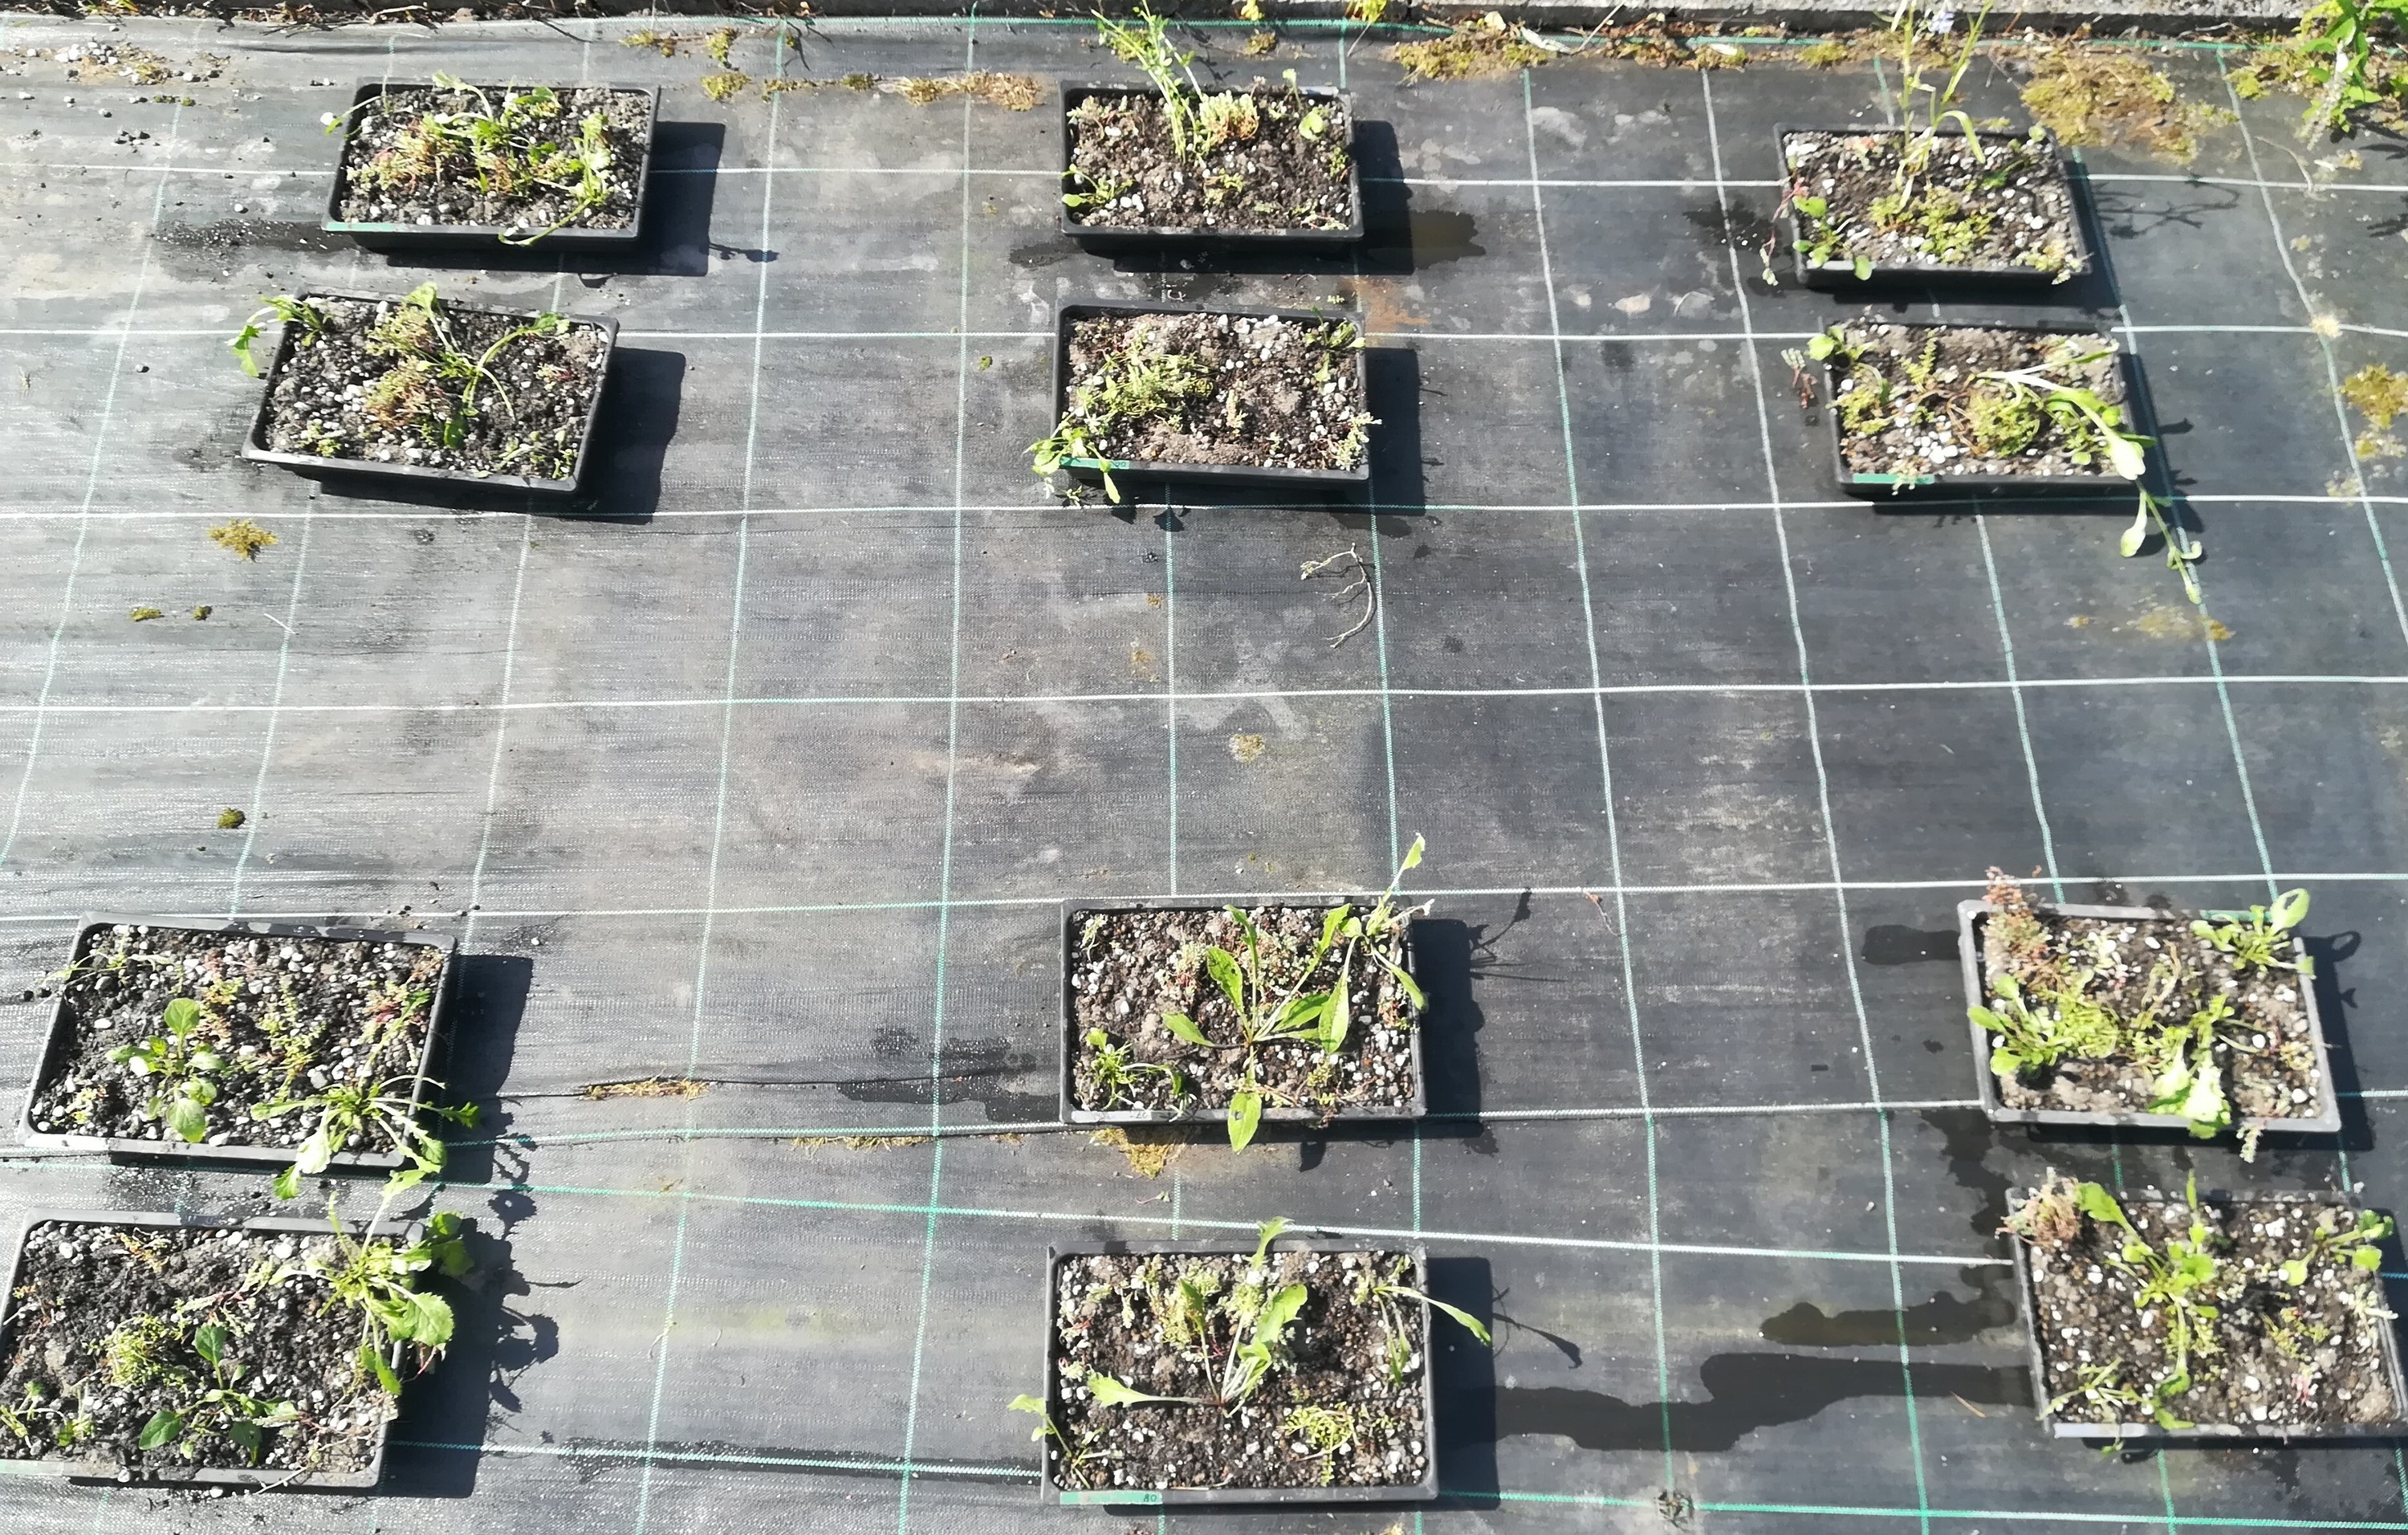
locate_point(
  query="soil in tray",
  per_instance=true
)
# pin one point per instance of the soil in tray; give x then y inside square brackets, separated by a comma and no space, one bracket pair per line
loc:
[526,160]
[1342,1406]
[1194,389]
[418,381]
[1265,160]
[2297,1348]
[1128,968]
[104,1330]
[2010,207]
[2124,999]
[288,1018]
[1913,401]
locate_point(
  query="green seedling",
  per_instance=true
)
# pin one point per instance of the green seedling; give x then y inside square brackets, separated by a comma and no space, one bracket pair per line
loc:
[284,307]
[2261,939]
[1116,1072]
[2353,1243]
[377,1278]
[178,1069]
[1264,1012]
[383,1114]
[213,1404]
[1250,1325]
[1076,1457]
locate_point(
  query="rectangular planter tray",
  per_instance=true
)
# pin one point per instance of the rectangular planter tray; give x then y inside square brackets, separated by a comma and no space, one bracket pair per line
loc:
[470,237]
[1052,1492]
[1316,241]
[1843,275]
[2326,1121]
[1886,487]
[253,442]
[1073,917]
[171,1150]
[2030,1303]
[209,1476]
[1068,315]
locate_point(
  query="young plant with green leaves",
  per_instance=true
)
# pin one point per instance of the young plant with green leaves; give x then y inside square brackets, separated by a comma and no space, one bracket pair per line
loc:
[1245,1329]
[290,311]
[385,1114]
[2261,939]
[2332,59]
[213,1403]
[178,1070]
[1268,1000]
[379,1278]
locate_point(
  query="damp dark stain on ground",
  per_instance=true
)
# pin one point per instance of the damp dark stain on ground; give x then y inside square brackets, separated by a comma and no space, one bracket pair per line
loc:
[1895,945]
[1432,235]
[1745,1392]
[968,1072]
[224,238]
[1943,1319]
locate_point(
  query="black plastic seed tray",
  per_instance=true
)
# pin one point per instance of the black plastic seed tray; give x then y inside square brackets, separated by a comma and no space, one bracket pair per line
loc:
[1075,917]
[254,445]
[1068,315]
[167,1148]
[63,1468]
[1969,916]
[1843,275]
[2027,1300]
[1052,1491]
[1886,486]
[1309,240]
[470,237]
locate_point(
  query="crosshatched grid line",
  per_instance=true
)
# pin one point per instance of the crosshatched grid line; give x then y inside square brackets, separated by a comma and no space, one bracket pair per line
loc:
[1823,789]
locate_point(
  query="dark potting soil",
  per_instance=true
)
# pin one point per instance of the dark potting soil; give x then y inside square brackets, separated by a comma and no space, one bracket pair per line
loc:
[1283,166]
[2284,1353]
[399,166]
[1342,1408]
[1130,967]
[2013,207]
[345,395]
[1265,393]
[288,1016]
[1907,403]
[2267,1053]
[102,1324]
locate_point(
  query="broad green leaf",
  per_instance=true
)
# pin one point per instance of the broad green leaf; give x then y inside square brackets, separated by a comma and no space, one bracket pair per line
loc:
[1184,1028]
[1413,856]
[2295,1271]
[182,1016]
[1223,965]
[1245,1117]
[2100,1205]
[203,1060]
[1095,1039]
[1412,988]
[1334,1021]
[2005,1063]
[2289,909]
[288,1184]
[209,1341]
[1112,1393]
[316,1151]
[1279,1312]
[2368,1258]
[163,1426]
[1813,208]
[1864,269]
[2126,456]
[187,1119]
[372,1360]
[249,1436]
[2129,545]
[1026,1403]
[201,1091]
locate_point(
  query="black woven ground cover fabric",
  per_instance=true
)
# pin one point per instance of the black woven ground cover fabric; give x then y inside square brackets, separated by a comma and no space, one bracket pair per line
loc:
[772,769]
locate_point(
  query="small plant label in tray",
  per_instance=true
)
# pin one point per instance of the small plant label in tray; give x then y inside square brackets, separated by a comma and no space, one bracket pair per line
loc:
[458,164]
[187,1349]
[1868,204]
[2156,1316]
[1968,410]
[421,388]
[1177,392]
[1292,1373]
[2129,1016]
[304,1048]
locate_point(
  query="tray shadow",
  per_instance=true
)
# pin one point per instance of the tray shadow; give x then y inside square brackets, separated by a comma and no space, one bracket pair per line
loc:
[444,1414]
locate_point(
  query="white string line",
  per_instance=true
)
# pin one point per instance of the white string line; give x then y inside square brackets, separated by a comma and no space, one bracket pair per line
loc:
[945,857]
[84,518]
[1823,791]
[1605,770]
[717,828]
[2147,882]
